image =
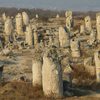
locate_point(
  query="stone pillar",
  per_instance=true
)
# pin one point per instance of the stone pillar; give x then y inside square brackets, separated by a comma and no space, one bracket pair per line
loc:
[8,29]
[88,25]
[4,17]
[57,16]
[25,18]
[97,64]
[29,35]
[63,37]
[56,39]
[92,38]
[75,48]
[68,15]
[37,16]
[37,68]
[98,25]
[19,24]
[52,75]
[35,38]
[82,29]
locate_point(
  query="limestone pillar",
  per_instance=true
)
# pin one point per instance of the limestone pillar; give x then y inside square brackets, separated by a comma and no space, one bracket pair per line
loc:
[25,18]
[97,64]
[57,16]
[8,29]
[75,48]
[63,37]
[37,68]
[35,38]
[19,24]
[4,17]
[88,25]
[82,29]
[92,37]
[98,25]
[68,15]
[37,16]
[52,75]
[29,35]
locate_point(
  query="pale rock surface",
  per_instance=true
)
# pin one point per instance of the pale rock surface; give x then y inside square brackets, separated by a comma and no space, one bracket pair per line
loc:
[29,35]
[88,25]
[63,37]
[19,24]
[75,48]
[25,18]
[52,75]
[97,64]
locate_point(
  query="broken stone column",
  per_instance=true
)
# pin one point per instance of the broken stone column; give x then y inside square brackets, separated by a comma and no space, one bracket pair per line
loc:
[37,68]
[35,38]
[88,25]
[19,24]
[8,29]
[75,48]
[82,29]
[29,35]
[63,37]
[98,25]
[52,74]
[25,18]
[97,64]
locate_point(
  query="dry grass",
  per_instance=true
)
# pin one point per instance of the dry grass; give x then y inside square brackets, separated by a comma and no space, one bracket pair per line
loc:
[84,79]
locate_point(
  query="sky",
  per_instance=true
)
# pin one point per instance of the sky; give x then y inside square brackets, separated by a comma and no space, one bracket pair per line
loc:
[74,5]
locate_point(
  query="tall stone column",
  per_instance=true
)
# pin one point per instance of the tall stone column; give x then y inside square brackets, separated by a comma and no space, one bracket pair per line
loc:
[8,29]
[52,75]
[29,35]
[35,38]
[97,64]
[19,24]
[4,17]
[98,25]
[82,29]
[37,68]
[68,15]
[88,25]
[25,18]
[63,37]
[75,48]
